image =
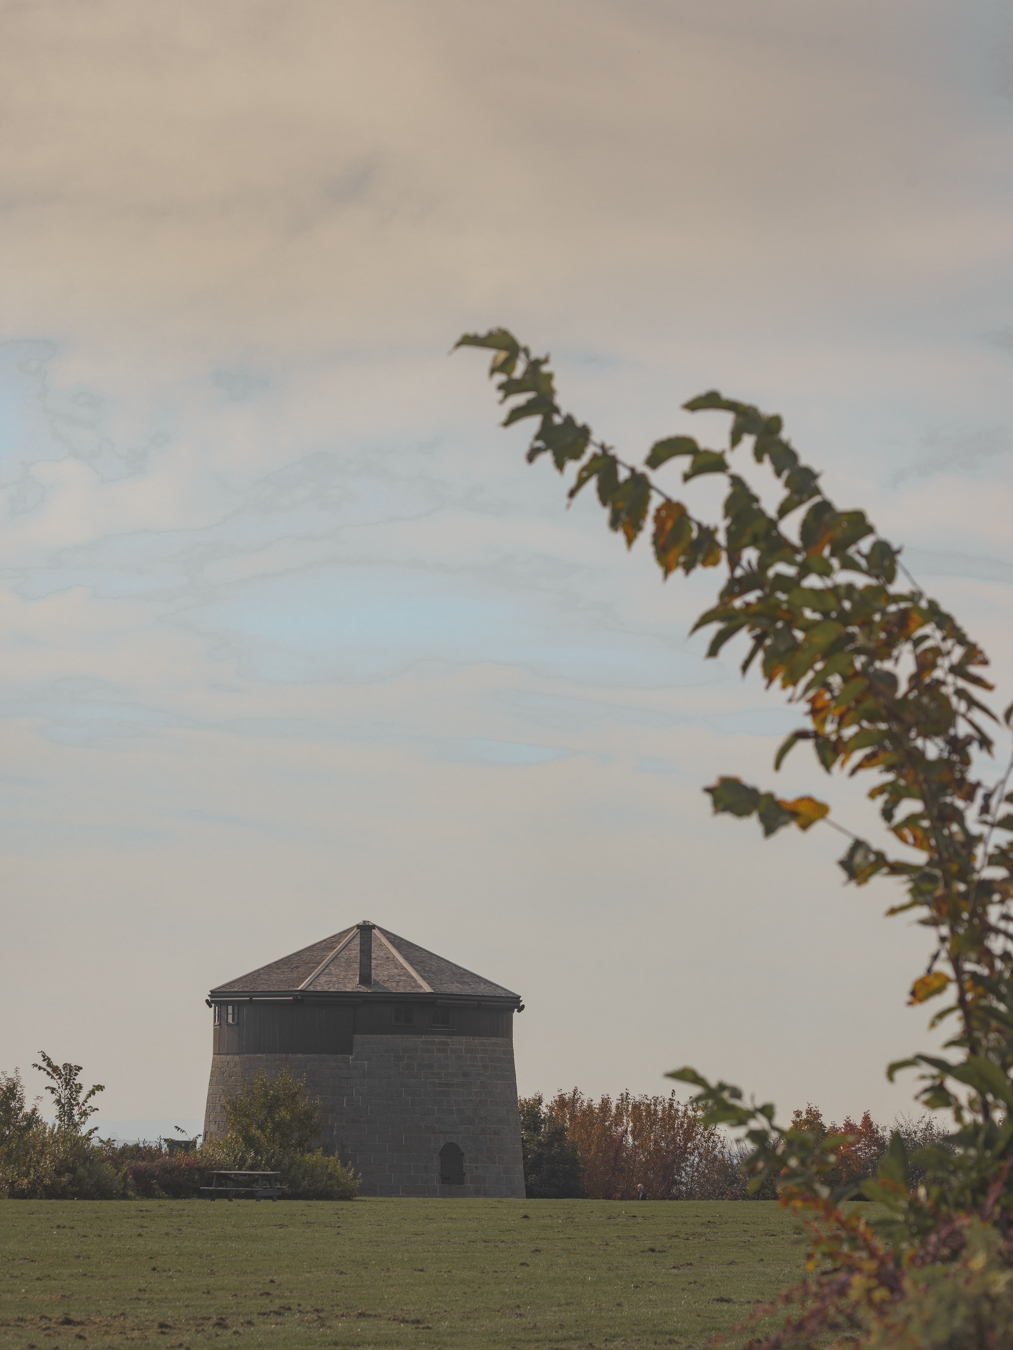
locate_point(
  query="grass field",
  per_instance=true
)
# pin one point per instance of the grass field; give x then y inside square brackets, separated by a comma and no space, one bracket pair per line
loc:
[420,1273]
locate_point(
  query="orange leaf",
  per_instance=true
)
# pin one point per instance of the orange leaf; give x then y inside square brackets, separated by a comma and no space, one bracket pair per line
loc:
[673,533]
[806,810]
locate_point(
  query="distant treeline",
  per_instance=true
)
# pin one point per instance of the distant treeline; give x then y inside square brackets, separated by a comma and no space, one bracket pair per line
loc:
[608,1149]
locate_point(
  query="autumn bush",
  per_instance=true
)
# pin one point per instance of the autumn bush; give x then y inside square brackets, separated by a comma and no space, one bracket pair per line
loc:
[607,1148]
[656,1142]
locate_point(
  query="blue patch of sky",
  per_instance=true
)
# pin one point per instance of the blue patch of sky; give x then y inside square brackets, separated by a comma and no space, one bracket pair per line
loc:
[349,623]
[755,722]
[79,711]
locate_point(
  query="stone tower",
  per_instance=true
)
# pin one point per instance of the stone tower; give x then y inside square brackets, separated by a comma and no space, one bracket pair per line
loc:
[411,1057]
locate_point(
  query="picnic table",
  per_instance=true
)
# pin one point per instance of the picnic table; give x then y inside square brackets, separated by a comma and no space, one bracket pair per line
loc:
[227,1182]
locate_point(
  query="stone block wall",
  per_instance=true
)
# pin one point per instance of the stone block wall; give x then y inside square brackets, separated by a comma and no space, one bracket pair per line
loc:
[391,1105]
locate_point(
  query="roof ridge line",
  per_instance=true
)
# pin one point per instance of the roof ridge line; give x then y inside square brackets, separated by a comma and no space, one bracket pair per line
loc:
[328,959]
[394,952]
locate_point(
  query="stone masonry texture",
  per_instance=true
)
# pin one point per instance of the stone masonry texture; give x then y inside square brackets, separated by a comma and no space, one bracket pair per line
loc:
[391,1105]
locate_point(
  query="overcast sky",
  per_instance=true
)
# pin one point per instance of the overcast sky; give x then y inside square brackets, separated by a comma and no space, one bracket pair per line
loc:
[290,634]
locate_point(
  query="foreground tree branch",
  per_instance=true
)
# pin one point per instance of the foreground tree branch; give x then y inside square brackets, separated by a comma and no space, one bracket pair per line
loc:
[887,683]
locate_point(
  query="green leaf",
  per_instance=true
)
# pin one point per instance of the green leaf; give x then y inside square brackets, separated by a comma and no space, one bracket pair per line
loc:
[841,663]
[608,480]
[849,527]
[814,644]
[668,448]
[818,565]
[689,1075]
[863,739]
[592,469]
[826,752]
[499,340]
[749,421]
[851,690]
[809,597]
[789,743]
[861,862]
[537,406]
[781,455]
[773,816]
[893,1166]
[733,796]
[629,506]
[705,461]
[817,525]
[712,399]
[565,440]
[726,632]
[882,561]
[985,1077]
[893,1069]
[802,484]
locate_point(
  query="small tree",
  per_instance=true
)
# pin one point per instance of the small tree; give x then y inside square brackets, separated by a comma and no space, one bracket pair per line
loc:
[272,1124]
[552,1167]
[273,1115]
[72,1109]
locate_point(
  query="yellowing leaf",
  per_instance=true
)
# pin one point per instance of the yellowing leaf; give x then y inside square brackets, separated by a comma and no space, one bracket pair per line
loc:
[673,533]
[806,810]
[928,986]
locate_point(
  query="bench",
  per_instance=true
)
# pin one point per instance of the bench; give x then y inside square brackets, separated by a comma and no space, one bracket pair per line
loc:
[229,1183]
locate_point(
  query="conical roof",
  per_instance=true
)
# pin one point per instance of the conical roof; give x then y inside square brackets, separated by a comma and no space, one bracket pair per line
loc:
[331,966]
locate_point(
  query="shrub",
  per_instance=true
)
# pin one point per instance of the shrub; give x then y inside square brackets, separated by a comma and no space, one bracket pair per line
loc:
[50,1163]
[966,1305]
[317,1176]
[272,1126]
[151,1172]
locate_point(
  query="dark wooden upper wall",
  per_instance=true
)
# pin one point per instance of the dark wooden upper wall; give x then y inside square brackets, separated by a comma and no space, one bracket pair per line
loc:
[310,1027]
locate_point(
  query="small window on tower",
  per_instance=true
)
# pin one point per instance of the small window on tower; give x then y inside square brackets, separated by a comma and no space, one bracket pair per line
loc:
[218,1014]
[232,1014]
[441,1017]
[404,1015]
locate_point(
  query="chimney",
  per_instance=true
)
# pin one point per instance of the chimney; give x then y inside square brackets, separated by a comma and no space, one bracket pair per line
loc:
[366,953]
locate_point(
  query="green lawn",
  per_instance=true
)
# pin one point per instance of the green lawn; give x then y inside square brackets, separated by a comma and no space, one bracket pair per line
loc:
[421,1273]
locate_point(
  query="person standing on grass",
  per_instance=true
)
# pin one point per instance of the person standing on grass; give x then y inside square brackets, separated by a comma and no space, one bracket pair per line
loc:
[641,1191]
